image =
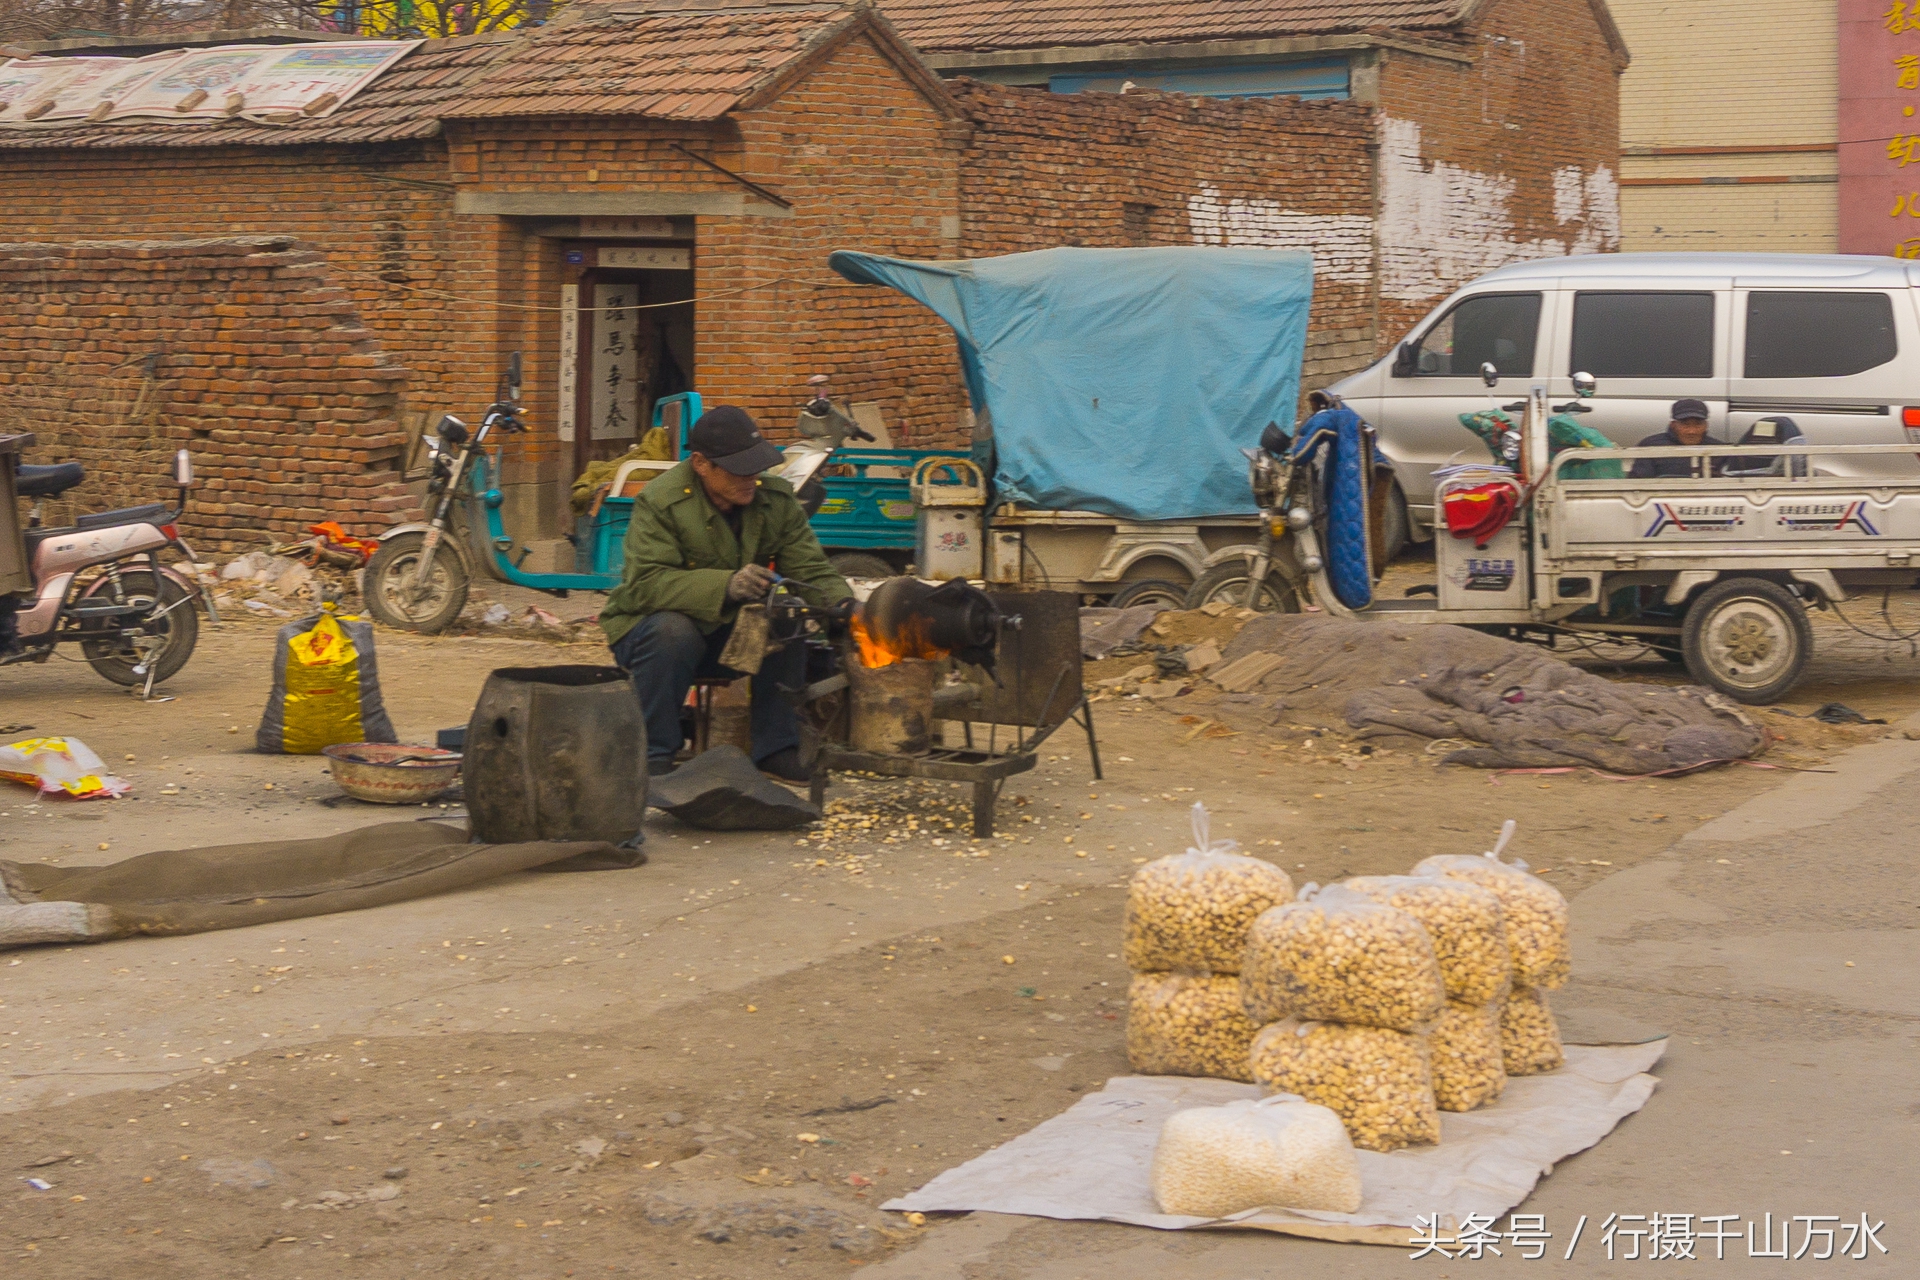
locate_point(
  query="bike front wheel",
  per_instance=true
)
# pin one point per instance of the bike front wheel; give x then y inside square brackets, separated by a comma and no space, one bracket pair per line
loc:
[395,598]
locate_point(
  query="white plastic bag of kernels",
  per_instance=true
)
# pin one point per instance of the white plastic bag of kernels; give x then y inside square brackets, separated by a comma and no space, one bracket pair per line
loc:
[1337,956]
[1188,1024]
[1536,913]
[1192,911]
[1281,1151]
[1466,923]
[1379,1082]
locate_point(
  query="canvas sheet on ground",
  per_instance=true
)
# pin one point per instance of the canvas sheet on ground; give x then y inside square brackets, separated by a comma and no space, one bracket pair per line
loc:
[1094,1161]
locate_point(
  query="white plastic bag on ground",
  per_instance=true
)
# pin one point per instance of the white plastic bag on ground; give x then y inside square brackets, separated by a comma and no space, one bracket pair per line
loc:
[1536,913]
[1283,1150]
[1340,957]
[1379,1082]
[1188,1024]
[1192,911]
[60,765]
[1466,923]
[1529,1036]
[1469,1068]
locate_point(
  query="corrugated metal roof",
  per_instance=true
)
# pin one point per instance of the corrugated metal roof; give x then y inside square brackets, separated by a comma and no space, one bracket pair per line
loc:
[978,26]
[405,102]
[680,64]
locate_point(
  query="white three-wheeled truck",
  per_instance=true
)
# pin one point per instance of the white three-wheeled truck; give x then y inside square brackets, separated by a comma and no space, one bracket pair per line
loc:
[1718,568]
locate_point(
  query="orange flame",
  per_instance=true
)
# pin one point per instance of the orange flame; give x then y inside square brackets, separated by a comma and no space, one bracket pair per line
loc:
[878,650]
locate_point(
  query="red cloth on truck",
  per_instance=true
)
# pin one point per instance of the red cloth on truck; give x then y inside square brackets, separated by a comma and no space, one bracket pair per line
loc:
[1480,512]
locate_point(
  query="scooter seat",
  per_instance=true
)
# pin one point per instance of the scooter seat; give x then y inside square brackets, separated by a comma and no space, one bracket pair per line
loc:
[152,513]
[49,482]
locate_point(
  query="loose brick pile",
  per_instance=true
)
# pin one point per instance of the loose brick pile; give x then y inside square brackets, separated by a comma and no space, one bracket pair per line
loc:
[241,350]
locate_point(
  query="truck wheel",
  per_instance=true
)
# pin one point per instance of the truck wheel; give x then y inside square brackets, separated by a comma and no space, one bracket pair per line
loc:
[1748,638]
[1149,591]
[1228,582]
[391,596]
[856,564]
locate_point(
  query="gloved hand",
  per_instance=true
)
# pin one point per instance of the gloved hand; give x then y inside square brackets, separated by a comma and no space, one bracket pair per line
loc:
[750,583]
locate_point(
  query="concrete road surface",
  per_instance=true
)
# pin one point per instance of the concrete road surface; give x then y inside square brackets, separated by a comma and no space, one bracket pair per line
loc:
[1776,946]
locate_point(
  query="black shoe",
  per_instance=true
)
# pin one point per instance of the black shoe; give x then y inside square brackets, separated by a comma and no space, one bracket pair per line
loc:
[784,764]
[660,767]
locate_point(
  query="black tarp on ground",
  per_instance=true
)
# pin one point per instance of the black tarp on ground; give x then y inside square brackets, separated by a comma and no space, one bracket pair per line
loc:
[229,886]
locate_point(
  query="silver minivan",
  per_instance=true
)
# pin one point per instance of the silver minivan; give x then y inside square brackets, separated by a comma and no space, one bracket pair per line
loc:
[1830,341]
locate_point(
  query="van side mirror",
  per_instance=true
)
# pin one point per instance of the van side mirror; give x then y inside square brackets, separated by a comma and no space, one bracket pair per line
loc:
[1489,374]
[182,470]
[1584,385]
[1403,360]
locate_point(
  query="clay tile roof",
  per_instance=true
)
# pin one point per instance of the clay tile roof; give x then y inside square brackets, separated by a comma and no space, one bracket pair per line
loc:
[975,26]
[405,102]
[681,64]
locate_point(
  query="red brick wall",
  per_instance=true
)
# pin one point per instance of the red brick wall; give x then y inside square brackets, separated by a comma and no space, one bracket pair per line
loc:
[1111,170]
[870,164]
[264,370]
[382,215]
[1541,97]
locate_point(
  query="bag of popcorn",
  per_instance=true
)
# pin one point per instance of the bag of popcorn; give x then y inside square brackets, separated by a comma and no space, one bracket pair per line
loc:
[1282,1150]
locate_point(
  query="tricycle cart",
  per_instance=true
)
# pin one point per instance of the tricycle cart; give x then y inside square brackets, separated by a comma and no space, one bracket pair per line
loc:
[1716,569]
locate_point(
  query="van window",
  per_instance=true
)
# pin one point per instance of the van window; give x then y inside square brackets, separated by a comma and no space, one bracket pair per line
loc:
[1496,327]
[1643,335]
[1818,335]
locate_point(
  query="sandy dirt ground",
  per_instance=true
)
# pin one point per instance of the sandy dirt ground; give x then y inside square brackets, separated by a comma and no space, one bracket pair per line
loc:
[716,1065]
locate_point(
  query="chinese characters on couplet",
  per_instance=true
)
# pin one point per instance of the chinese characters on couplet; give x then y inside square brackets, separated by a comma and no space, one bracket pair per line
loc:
[1631,1237]
[1900,17]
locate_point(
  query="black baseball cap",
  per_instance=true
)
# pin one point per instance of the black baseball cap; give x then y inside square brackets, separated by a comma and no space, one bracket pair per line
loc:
[728,437]
[1688,407]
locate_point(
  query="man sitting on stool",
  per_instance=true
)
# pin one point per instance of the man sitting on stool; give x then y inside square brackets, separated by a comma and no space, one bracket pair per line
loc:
[697,549]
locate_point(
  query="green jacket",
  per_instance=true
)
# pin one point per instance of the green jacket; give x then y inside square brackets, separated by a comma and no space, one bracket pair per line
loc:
[680,553]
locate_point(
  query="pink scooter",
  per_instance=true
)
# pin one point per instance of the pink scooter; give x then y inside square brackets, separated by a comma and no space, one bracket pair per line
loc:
[100,583]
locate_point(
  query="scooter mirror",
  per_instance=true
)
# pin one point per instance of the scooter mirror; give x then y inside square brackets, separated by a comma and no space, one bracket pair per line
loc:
[452,430]
[1489,374]
[513,377]
[182,470]
[1584,385]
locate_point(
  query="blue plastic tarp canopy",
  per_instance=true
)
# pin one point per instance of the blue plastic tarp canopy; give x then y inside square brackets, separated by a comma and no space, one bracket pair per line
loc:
[1122,381]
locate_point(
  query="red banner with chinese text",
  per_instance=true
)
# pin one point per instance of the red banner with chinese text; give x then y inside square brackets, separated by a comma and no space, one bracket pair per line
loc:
[1879,86]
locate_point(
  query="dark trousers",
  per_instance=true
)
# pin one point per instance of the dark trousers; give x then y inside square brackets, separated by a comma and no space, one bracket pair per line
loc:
[664,652]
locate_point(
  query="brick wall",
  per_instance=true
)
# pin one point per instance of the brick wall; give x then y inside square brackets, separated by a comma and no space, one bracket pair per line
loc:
[116,353]
[1147,168]
[1511,156]
[383,215]
[870,164]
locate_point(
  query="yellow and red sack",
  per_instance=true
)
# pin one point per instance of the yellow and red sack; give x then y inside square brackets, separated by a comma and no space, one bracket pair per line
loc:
[326,688]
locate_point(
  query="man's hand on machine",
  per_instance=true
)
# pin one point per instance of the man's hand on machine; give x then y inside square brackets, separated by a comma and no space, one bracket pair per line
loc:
[750,583]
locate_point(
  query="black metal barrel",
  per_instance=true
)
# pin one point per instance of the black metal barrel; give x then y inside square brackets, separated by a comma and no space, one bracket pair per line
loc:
[556,753]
